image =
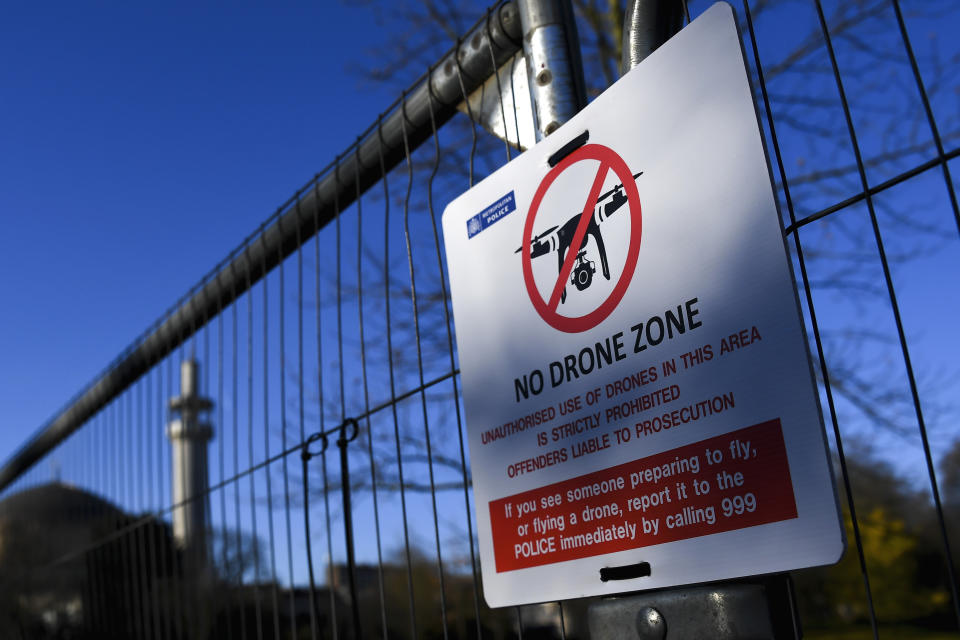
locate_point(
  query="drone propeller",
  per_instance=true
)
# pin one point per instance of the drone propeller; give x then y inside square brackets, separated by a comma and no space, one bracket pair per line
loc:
[545,233]
[602,196]
[542,235]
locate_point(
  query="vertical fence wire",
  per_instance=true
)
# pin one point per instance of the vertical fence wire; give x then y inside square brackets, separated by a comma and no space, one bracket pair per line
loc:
[814,326]
[422,381]
[381,593]
[460,426]
[258,609]
[321,411]
[393,390]
[928,112]
[235,399]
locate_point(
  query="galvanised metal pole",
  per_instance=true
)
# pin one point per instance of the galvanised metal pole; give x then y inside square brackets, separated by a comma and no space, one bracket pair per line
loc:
[759,609]
[429,104]
[647,25]
[554,67]
[754,609]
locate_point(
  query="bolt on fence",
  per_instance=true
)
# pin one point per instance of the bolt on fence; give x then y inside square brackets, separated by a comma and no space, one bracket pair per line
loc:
[335,498]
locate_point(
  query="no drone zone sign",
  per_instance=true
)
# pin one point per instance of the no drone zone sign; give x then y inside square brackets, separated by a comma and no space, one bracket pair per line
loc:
[639,400]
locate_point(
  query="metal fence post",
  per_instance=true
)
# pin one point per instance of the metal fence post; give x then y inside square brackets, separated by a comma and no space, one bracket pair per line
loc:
[760,609]
[554,68]
[647,25]
[755,609]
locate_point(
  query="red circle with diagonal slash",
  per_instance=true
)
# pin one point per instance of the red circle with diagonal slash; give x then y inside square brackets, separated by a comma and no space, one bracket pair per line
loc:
[609,161]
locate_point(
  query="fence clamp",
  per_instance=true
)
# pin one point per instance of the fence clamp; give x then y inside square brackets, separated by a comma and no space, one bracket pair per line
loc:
[306,454]
[344,440]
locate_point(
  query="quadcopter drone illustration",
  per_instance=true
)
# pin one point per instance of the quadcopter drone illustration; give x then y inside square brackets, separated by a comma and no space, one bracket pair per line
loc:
[559,237]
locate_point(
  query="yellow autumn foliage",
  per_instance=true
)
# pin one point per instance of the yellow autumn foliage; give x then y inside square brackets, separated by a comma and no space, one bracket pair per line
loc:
[890,551]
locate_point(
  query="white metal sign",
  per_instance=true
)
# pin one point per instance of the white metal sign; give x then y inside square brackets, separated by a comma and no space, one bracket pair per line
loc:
[639,399]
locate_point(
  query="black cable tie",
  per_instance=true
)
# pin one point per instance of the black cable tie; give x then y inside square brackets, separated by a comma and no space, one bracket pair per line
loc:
[306,454]
[568,148]
[344,439]
[626,572]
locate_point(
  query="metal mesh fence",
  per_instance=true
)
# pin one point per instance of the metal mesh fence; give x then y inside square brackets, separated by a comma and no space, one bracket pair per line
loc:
[339,499]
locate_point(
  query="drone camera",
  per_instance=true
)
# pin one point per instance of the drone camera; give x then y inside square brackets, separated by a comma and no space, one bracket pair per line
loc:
[583,272]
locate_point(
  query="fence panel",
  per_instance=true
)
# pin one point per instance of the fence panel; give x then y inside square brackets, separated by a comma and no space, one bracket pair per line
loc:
[323,422]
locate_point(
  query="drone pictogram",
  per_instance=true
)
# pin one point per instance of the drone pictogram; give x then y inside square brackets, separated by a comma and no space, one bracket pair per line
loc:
[559,238]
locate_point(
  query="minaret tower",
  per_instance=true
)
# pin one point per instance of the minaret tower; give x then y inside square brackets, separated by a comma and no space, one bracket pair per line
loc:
[188,438]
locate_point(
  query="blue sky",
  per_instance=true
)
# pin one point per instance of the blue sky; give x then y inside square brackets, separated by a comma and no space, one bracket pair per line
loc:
[139,143]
